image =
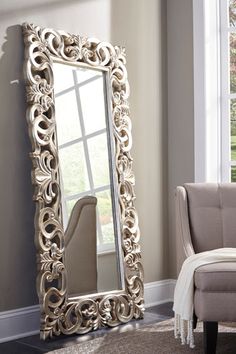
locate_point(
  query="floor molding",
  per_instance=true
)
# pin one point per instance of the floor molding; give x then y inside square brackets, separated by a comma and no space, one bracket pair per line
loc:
[24,322]
[19,323]
[159,292]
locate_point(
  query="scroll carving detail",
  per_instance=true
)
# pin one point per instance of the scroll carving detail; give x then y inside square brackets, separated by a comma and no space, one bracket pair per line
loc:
[59,314]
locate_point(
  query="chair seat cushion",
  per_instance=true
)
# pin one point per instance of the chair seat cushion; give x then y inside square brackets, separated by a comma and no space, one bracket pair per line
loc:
[216,277]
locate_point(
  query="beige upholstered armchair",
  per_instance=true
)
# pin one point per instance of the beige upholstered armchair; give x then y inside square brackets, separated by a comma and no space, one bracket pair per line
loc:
[206,220]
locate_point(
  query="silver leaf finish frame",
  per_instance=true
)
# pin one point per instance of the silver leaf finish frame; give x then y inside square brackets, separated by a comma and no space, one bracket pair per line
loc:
[59,314]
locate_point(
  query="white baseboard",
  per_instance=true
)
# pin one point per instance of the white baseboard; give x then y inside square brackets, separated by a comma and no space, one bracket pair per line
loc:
[19,323]
[159,292]
[23,322]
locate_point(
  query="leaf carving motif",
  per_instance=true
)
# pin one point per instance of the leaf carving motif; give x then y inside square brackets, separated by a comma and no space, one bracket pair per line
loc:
[44,177]
[40,93]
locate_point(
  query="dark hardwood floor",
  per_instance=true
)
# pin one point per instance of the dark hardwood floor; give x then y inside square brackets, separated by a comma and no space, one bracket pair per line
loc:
[33,345]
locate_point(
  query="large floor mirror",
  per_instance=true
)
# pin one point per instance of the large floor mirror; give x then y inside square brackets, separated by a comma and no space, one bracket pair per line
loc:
[90,273]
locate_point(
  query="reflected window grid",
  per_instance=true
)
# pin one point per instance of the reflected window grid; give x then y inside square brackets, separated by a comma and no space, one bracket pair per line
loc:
[228,85]
[93,190]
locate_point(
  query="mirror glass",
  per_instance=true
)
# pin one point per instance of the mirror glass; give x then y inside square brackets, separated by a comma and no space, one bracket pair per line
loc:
[87,179]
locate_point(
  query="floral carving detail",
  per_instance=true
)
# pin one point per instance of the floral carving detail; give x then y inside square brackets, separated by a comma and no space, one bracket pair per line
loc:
[44,176]
[60,314]
[76,47]
[40,93]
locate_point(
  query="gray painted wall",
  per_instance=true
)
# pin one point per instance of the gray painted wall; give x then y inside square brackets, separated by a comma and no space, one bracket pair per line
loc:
[108,277]
[141,27]
[180,107]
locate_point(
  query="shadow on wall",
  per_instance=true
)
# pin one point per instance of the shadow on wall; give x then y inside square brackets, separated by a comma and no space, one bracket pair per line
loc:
[17,251]
[27,8]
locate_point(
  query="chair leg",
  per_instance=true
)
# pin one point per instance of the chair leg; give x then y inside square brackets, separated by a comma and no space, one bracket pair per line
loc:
[210,337]
[194,321]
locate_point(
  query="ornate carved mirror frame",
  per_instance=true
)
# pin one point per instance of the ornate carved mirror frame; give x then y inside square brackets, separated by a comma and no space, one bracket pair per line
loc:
[59,313]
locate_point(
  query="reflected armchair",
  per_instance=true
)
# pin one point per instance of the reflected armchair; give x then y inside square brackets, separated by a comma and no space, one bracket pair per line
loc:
[206,220]
[81,248]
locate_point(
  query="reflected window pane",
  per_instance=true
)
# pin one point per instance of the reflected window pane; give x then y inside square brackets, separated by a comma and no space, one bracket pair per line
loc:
[67,118]
[233,174]
[93,105]
[73,169]
[233,128]
[98,156]
[104,207]
[83,74]
[69,206]
[63,78]
[232,13]
[232,62]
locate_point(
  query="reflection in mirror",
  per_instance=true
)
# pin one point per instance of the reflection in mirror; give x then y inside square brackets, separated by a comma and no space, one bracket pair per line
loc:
[89,207]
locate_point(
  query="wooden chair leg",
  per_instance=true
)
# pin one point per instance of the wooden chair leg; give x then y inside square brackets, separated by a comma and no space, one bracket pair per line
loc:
[194,321]
[210,337]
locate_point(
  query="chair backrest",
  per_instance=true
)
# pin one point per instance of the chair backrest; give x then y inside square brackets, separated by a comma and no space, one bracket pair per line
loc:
[81,248]
[212,215]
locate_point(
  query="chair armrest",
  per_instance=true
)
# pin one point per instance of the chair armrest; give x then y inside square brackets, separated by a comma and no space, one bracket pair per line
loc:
[183,236]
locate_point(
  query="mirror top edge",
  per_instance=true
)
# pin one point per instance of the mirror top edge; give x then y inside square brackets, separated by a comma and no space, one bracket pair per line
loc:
[80,64]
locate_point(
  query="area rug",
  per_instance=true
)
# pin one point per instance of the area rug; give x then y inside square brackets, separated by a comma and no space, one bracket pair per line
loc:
[156,338]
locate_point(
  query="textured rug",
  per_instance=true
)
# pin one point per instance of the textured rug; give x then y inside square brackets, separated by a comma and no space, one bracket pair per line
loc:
[155,338]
